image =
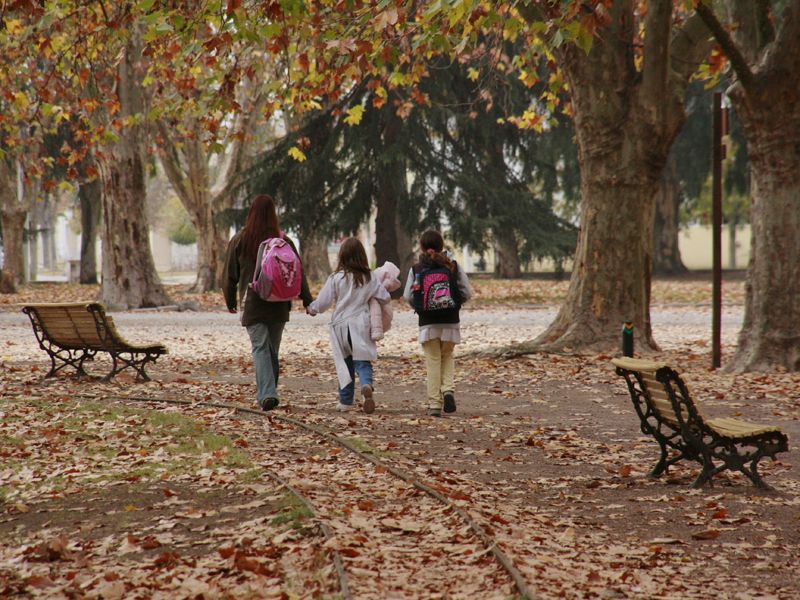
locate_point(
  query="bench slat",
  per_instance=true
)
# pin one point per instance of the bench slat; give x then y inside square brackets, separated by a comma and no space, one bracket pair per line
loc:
[739,429]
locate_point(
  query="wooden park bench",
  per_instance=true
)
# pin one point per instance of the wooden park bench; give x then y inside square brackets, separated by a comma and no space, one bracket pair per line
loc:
[668,413]
[73,333]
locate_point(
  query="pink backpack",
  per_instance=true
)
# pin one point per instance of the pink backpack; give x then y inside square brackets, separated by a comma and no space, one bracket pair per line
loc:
[278,273]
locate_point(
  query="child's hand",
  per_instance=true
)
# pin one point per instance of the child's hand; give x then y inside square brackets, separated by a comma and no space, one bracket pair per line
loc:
[311,311]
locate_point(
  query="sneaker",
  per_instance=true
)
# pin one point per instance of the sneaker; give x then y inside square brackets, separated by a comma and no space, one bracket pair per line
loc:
[366,395]
[434,412]
[345,407]
[449,402]
[269,404]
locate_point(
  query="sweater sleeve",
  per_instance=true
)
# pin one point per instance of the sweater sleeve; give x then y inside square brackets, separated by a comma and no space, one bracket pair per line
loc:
[230,275]
[463,285]
[325,298]
[407,290]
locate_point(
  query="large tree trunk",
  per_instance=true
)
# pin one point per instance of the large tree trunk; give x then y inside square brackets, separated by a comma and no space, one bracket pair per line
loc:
[129,272]
[506,264]
[13,212]
[211,247]
[90,197]
[770,334]
[666,253]
[626,119]
[406,251]
[14,242]
[7,285]
[766,97]
[391,193]
[314,254]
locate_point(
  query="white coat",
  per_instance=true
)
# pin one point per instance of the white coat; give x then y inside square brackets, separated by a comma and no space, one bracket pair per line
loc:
[351,316]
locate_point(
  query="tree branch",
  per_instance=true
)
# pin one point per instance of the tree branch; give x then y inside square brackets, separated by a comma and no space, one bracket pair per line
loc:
[691,45]
[786,43]
[655,69]
[171,162]
[729,47]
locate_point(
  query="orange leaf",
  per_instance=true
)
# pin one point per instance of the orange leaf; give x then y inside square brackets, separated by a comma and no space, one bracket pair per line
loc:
[708,534]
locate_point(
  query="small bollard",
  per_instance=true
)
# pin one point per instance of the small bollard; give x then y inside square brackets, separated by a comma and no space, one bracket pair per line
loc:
[627,339]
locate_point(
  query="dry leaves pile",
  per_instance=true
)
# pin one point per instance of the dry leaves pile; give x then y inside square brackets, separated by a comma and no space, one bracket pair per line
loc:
[111,498]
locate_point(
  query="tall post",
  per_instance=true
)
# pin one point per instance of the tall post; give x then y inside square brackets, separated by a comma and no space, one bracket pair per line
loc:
[716,217]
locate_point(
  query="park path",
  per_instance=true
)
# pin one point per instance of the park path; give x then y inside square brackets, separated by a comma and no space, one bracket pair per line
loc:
[544,451]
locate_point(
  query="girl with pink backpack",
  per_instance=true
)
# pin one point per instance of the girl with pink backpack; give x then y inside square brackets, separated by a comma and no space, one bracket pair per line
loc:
[263,319]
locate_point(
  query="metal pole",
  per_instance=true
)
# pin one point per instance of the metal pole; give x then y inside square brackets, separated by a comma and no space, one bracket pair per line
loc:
[716,213]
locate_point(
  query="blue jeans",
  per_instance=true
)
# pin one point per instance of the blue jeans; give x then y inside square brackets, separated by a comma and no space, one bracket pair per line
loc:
[265,340]
[364,370]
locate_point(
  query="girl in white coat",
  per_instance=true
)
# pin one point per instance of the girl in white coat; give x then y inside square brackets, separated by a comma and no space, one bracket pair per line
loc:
[350,288]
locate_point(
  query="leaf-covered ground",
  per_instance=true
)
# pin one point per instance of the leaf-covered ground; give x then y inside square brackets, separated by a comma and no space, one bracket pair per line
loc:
[105,496]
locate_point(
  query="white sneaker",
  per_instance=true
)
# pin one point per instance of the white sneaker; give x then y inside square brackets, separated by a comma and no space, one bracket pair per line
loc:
[345,407]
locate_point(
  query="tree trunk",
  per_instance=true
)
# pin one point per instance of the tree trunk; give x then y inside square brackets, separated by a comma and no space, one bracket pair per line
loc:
[506,264]
[32,239]
[406,251]
[129,273]
[13,243]
[7,285]
[627,110]
[766,98]
[732,243]
[13,213]
[666,253]
[314,254]
[391,192]
[90,197]
[611,275]
[770,334]
[211,248]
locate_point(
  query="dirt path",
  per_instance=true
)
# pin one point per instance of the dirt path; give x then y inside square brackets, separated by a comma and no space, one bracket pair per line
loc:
[544,452]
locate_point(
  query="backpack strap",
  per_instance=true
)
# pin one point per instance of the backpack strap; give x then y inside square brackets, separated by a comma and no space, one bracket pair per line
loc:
[259,258]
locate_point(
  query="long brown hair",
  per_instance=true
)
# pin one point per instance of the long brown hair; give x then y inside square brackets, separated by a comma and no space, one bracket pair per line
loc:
[262,223]
[353,260]
[432,245]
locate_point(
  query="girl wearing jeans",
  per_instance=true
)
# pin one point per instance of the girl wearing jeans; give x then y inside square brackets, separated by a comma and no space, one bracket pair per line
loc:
[263,320]
[439,331]
[351,287]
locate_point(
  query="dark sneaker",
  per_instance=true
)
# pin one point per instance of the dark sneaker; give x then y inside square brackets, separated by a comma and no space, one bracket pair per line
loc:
[366,396]
[269,404]
[449,402]
[434,412]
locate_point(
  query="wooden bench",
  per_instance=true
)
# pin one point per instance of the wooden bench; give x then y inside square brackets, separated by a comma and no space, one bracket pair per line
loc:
[668,413]
[73,333]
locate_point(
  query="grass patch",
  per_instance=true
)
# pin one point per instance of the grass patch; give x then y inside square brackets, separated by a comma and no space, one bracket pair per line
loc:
[365,448]
[8,440]
[100,443]
[293,512]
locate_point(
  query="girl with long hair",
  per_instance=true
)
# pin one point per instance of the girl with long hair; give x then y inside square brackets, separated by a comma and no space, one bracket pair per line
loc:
[436,287]
[350,288]
[263,320]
